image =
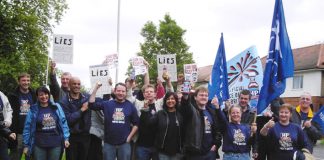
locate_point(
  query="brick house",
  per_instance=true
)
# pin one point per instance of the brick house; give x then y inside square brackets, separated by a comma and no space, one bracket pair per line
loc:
[308,75]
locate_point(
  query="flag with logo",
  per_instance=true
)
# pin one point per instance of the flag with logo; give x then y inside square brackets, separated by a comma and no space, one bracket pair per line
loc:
[218,83]
[280,61]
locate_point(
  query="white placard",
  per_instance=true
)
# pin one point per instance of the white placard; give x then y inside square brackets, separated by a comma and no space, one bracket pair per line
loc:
[100,73]
[190,72]
[111,60]
[138,65]
[167,63]
[63,48]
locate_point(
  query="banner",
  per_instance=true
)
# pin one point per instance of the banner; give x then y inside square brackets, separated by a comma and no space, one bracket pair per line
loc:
[190,72]
[63,49]
[138,66]
[100,73]
[245,72]
[111,60]
[167,63]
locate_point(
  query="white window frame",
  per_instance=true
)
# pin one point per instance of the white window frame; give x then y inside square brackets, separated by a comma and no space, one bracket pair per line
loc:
[298,82]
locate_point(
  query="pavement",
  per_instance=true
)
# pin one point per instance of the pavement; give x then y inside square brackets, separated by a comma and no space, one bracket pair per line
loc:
[318,152]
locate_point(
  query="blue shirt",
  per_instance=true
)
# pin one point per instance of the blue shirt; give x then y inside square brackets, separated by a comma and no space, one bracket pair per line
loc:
[207,140]
[285,140]
[236,137]
[25,101]
[47,134]
[119,118]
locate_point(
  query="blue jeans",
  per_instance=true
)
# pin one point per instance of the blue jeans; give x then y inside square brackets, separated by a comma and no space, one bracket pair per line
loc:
[146,153]
[163,156]
[236,156]
[122,152]
[42,153]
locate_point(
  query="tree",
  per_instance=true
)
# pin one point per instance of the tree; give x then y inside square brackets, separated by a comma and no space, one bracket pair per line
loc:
[167,39]
[24,30]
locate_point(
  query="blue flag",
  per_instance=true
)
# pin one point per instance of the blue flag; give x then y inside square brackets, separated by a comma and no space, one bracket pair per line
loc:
[218,83]
[280,61]
[319,118]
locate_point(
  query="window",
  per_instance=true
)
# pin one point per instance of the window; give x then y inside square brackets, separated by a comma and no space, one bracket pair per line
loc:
[298,82]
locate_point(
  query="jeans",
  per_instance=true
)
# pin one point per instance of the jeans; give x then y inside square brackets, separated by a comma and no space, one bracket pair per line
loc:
[146,153]
[236,156]
[163,156]
[122,152]
[211,155]
[51,153]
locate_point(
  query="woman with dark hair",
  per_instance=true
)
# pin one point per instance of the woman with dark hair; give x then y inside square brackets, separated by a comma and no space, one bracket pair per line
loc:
[46,129]
[168,123]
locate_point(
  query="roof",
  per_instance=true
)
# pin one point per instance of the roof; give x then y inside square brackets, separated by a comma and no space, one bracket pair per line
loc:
[310,57]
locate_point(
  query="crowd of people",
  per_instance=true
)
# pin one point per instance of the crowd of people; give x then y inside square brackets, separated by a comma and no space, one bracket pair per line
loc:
[155,122]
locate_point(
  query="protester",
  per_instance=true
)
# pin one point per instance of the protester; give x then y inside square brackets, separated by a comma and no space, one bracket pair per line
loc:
[21,100]
[46,131]
[58,92]
[286,139]
[145,142]
[237,138]
[5,110]
[202,136]
[5,122]
[78,116]
[120,120]
[180,82]
[169,125]
[271,111]
[302,115]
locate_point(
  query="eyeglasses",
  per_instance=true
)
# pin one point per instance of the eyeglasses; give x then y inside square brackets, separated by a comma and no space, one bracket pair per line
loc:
[305,99]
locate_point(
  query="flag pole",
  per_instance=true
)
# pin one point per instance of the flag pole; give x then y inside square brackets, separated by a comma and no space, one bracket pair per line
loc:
[118,26]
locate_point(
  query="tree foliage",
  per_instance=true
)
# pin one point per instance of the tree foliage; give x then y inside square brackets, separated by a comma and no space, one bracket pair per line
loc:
[167,39]
[25,26]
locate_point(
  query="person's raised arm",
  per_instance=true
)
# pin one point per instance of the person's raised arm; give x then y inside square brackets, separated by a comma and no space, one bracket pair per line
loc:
[92,98]
[265,129]
[147,75]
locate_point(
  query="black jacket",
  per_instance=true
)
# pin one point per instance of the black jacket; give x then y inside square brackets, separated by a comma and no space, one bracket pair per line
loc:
[312,133]
[195,127]
[79,122]
[161,121]
[57,92]
[15,105]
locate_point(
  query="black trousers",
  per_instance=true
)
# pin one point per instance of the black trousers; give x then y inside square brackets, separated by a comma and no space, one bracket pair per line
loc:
[95,150]
[79,147]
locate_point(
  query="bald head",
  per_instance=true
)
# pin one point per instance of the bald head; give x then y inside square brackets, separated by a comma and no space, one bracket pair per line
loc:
[75,85]
[305,100]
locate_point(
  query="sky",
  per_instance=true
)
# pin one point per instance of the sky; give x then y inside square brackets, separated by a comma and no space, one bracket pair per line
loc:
[93,23]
